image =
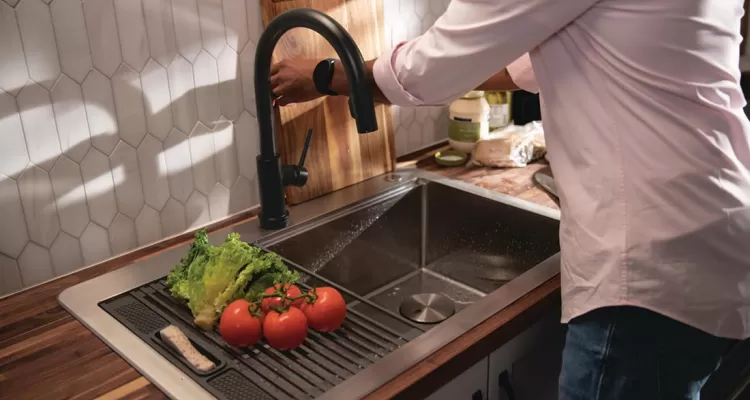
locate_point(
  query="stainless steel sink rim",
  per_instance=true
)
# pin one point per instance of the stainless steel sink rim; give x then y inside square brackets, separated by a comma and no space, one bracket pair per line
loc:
[82,300]
[397,188]
[393,178]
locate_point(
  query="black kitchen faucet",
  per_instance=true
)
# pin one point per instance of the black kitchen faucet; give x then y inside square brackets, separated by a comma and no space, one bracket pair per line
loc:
[272,176]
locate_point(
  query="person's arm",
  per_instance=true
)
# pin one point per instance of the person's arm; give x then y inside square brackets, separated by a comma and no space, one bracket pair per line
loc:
[499,82]
[466,45]
[291,81]
[522,74]
[340,84]
[461,52]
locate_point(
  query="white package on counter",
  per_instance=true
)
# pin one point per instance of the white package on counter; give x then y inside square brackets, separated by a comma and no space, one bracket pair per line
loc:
[512,146]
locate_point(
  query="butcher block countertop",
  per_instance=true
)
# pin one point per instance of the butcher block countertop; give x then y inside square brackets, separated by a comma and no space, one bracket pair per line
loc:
[45,353]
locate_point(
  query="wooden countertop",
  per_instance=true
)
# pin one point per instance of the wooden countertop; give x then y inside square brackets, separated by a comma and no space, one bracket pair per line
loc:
[45,353]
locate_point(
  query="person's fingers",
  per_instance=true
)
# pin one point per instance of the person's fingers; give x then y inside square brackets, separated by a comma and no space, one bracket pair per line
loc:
[284,101]
[275,68]
[281,89]
[275,79]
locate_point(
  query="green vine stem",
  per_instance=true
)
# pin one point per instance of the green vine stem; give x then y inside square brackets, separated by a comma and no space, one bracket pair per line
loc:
[286,301]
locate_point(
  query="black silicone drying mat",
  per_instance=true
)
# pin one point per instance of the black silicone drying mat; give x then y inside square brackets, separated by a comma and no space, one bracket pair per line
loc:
[262,372]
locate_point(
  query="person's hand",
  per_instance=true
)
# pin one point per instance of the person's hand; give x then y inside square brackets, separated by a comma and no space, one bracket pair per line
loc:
[292,81]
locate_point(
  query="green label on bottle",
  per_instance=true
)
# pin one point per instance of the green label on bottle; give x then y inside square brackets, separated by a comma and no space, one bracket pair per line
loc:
[464,131]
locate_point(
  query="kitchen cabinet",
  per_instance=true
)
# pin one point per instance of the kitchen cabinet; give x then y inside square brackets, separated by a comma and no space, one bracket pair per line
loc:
[525,368]
[528,366]
[470,385]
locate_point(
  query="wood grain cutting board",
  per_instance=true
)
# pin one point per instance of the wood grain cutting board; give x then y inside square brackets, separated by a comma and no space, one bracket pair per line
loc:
[338,156]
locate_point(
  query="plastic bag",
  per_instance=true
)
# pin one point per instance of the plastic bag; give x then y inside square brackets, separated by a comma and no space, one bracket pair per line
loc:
[512,146]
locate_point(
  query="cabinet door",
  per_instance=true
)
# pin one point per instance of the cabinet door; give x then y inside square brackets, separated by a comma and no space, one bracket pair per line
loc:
[470,385]
[512,367]
[536,374]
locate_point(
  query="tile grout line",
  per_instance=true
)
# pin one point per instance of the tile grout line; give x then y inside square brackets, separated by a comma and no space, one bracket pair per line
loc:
[23,50]
[57,47]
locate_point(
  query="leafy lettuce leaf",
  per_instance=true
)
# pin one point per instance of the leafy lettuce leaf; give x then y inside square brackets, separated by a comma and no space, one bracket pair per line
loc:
[208,278]
[177,280]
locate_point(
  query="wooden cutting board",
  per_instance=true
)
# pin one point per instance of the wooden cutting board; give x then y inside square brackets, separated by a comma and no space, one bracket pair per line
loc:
[338,156]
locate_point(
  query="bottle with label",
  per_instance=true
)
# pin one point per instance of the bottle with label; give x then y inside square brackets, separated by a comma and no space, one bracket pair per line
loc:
[500,111]
[469,121]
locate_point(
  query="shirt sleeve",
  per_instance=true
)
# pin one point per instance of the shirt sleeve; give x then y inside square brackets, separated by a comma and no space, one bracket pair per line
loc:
[472,41]
[522,74]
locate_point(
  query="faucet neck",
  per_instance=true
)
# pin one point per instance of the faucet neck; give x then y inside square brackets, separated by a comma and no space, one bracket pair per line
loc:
[334,33]
[270,175]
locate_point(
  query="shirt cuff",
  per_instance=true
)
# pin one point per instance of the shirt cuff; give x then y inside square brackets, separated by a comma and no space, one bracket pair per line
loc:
[387,80]
[522,74]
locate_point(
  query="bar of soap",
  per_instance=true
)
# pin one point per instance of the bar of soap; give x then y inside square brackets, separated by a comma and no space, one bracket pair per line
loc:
[173,336]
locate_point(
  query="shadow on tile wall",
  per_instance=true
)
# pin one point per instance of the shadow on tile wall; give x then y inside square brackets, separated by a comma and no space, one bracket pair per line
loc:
[415,127]
[126,121]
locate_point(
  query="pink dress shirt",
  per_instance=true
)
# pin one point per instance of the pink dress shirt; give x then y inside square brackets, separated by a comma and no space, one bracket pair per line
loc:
[647,139]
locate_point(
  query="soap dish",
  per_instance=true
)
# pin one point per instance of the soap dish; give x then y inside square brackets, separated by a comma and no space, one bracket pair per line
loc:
[451,158]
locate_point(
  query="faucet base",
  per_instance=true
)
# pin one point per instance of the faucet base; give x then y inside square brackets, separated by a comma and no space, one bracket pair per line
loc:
[273,212]
[274,223]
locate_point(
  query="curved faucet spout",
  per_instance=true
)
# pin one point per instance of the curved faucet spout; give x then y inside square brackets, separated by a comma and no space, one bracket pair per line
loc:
[270,176]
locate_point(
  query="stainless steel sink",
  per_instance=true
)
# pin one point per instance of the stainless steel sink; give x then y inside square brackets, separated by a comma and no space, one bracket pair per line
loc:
[381,241]
[426,238]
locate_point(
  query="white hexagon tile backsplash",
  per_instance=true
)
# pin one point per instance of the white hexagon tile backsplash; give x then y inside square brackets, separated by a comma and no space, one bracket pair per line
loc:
[125,121]
[404,20]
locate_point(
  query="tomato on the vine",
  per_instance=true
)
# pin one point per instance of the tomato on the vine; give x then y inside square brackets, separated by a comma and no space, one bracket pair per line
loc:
[286,330]
[238,326]
[270,303]
[326,310]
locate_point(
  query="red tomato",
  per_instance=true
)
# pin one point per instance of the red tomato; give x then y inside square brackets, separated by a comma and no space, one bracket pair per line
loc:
[275,302]
[327,312]
[238,327]
[285,331]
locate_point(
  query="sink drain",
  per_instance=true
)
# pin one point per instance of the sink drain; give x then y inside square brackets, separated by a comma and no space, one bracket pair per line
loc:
[427,308]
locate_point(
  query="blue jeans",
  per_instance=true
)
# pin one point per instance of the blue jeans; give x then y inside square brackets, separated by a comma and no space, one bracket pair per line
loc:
[629,353]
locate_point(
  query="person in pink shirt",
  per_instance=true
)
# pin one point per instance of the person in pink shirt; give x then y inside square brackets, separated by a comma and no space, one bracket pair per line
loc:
[650,149]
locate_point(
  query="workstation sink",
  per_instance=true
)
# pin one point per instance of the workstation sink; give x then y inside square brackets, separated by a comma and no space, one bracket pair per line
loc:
[428,243]
[420,259]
